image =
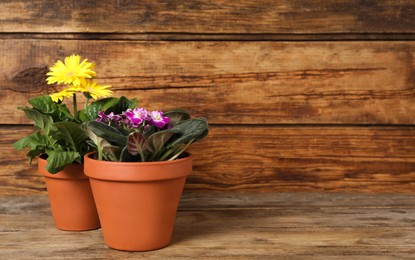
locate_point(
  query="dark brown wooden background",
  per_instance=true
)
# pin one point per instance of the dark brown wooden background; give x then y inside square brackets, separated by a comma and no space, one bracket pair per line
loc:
[301,95]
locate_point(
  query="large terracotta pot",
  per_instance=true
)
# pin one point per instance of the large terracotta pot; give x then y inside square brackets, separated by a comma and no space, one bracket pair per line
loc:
[137,201]
[70,197]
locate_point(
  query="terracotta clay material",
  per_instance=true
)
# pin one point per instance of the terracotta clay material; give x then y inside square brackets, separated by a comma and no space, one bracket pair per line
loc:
[70,197]
[137,201]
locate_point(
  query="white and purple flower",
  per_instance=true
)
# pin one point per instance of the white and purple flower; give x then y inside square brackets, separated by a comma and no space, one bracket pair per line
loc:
[158,119]
[136,116]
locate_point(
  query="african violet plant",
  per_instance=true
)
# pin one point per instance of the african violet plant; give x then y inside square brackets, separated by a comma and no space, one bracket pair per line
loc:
[139,135]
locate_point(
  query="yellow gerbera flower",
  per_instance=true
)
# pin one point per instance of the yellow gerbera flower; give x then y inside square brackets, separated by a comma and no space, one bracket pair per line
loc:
[73,71]
[56,97]
[93,89]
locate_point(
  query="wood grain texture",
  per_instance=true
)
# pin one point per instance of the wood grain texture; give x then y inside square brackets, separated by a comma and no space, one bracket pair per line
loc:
[274,158]
[212,36]
[302,95]
[219,16]
[311,226]
[232,82]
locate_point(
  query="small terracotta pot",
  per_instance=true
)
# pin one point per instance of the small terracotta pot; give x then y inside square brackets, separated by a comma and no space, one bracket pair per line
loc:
[137,201]
[70,197]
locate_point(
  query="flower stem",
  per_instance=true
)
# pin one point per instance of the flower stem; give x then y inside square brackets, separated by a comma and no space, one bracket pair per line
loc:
[99,150]
[86,103]
[142,155]
[166,154]
[75,107]
[100,154]
[181,151]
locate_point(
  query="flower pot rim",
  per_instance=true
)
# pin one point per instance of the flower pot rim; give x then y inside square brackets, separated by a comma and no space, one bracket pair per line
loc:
[188,156]
[137,171]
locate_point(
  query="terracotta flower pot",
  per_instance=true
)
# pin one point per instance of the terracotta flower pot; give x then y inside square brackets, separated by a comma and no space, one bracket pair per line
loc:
[137,201]
[70,197]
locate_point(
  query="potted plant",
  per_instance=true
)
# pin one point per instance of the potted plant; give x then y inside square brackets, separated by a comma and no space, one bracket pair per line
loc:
[59,142]
[138,173]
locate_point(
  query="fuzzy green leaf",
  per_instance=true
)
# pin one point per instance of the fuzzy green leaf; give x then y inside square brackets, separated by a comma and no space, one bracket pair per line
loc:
[100,144]
[177,116]
[111,134]
[187,130]
[156,143]
[111,153]
[137,144]
[149,130]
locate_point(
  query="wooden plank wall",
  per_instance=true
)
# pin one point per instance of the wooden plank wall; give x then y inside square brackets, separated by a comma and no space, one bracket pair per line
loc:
[301,95]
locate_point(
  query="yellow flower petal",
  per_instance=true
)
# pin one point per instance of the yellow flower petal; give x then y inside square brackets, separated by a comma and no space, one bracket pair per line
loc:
[56,97]
[73,71]
[95,90]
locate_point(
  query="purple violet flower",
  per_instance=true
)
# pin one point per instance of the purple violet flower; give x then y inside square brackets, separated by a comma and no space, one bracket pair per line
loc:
[111,117]
[115,118]
[136,116]
[102,117]
[158,119]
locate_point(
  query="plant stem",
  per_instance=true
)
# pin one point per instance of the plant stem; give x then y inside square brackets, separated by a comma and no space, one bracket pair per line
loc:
[142,155]
[166,154]
[86,103]
[123,151]
[99,149]
[181,151]
[75,107]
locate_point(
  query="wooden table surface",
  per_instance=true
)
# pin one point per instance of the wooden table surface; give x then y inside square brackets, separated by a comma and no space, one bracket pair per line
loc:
[234,225]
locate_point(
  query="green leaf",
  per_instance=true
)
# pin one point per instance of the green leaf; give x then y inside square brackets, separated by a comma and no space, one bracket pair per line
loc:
[41,121]
[33,141]
[71,134]
[34,153]
[137,144]
[125,156]
[100,144]
[64,113]
[122,105]
[57,160]
[112,153]
[156,143]
[36,142]
[187,130]
[91,111]
[92,144]
[45,105]
[97,141]
[132,103]
[177,116]
[109,133]
[149,130]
